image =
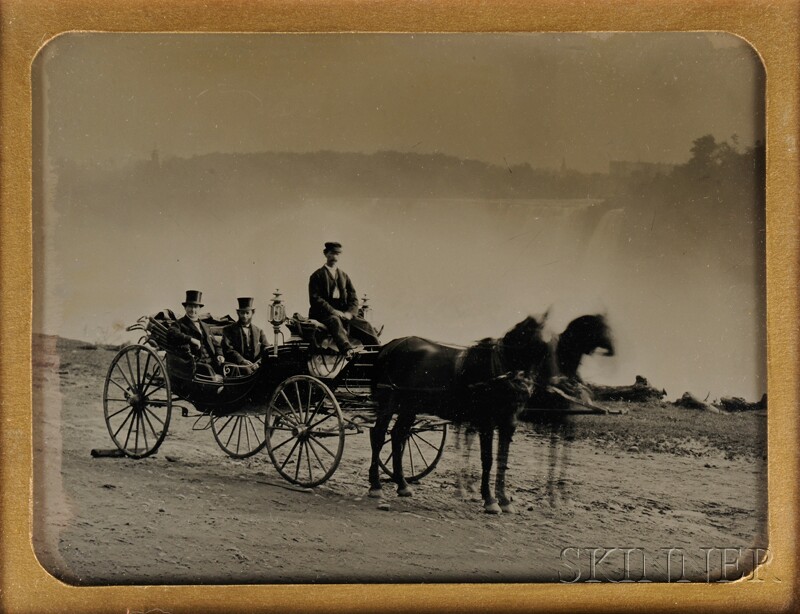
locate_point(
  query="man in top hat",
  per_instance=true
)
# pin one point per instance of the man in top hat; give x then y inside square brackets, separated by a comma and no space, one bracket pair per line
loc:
[243,342]
[191,332]
[334,303]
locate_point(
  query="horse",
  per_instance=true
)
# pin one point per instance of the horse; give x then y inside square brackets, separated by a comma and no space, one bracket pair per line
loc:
[485,385]
[582,337]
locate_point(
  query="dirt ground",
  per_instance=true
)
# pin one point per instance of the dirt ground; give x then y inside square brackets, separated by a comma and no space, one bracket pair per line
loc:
[657,478]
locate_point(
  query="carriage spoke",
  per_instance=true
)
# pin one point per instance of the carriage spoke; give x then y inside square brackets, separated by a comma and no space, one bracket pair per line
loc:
[125,377]
[150,383]
[138,368]
[310,396]
[122,425]
[224,426]
[147,365]
[410,457]
[289,418]
[316,424]
[289,456]
[154,414]
[255,430]
[289,403]
[321,445]
[308,462]
[130,370]
[233,430]
[117,400]
[118,412]
[317,407]
[119,386]
[283,443]
[136,436]
[422,456]
[416,436]
[147,418]
[299,460]
[311,447]
[144,430]
[246,422]
[303,410]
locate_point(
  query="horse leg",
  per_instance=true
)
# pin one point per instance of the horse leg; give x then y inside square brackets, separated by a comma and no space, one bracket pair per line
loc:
[505,435]
[465,438]
[552,469]
[400,433]
[377,435]
[486,435]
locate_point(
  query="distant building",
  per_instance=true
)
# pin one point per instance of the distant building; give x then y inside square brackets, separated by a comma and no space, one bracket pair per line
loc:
[647,170]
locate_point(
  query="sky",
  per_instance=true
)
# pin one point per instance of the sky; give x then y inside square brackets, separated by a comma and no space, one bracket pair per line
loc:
[454,271]
[536,98]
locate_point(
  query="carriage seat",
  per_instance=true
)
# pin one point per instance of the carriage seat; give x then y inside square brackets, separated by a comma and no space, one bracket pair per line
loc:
[180,362]
[307,329]
[316,334]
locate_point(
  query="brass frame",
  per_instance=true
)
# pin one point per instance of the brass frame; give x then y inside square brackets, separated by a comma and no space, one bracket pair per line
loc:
[772,27]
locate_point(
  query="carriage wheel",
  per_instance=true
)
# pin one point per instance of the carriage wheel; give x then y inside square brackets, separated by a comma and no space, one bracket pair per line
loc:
[239,435]
[423,450]
[137,401]
[304,431]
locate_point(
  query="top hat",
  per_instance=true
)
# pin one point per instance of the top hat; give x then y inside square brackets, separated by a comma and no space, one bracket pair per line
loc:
[334,247]
[193,297]
[245,303]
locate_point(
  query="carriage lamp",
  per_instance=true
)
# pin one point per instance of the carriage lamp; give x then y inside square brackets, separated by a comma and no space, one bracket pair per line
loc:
[277,316]
[366,310]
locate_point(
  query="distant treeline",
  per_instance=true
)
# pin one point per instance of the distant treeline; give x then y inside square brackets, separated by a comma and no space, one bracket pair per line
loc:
[716,173]
[714,204]
[327,174]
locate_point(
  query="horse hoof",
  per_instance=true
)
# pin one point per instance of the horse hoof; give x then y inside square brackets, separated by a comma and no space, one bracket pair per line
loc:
[461,494]
[404,492]
[376,493]
[508,508]
[491,508]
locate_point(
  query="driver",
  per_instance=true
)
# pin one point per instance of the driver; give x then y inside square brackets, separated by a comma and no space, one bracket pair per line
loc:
[334,303]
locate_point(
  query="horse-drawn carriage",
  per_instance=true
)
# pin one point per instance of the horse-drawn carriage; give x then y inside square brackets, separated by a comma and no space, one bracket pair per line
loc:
[300,404]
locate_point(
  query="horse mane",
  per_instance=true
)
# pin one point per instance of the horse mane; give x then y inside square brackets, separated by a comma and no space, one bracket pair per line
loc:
[521,349]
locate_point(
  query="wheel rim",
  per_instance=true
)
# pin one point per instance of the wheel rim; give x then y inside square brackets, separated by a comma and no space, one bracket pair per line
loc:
[239,435]
[423,450]
[304,431]
[137,401]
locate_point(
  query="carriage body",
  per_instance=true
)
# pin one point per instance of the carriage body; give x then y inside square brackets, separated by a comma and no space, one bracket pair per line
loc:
[288,405]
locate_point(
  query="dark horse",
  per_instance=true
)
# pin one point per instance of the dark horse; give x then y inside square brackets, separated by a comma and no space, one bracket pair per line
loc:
[484,386]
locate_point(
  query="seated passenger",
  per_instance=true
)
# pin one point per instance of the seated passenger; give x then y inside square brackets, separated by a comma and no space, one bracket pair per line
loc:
[196,336]
[243,342]
[334,303]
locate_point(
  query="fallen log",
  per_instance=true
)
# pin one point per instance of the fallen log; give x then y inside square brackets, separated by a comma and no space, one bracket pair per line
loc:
[640,392]
[689,401]
[739,404]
